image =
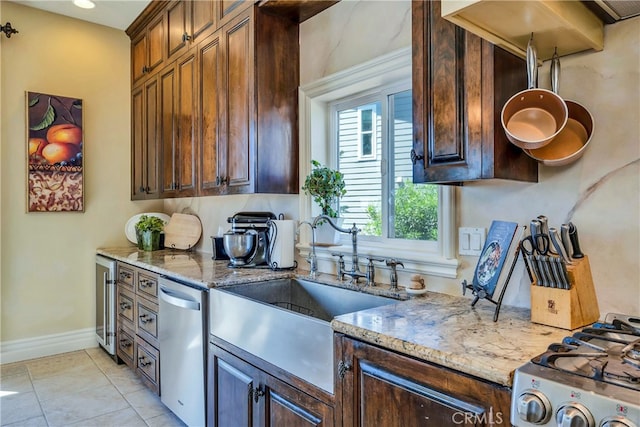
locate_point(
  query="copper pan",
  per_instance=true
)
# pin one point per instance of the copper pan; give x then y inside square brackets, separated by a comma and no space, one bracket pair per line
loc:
[533,117]
[569,145]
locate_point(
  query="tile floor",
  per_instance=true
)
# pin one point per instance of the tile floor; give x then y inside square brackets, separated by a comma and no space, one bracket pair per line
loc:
[81,388]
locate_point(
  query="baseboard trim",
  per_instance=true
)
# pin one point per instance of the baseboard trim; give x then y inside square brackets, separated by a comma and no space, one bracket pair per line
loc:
[47,345]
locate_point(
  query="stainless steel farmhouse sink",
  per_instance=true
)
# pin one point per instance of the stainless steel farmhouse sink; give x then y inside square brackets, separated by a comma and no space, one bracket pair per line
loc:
[287,322]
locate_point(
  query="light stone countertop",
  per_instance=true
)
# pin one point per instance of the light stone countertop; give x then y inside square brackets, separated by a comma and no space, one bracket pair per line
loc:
[434,327]
[446,330]
[196,268]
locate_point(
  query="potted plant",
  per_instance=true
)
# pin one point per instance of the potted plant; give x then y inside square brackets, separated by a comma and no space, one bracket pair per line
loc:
[326,186]
[148,230]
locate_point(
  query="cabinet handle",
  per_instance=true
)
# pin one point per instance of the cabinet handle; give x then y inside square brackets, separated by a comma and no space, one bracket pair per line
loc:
[145,319]
[343,367]
[125,275]
[257,394]
[125,343]
[144,283]
[145,69]
[415,156]
[224,181]
[186,37]
[141,361]
[141,189]
[124,306]
[147,190]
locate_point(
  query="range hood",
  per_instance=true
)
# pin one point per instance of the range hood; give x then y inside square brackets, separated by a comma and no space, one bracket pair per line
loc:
[611,11]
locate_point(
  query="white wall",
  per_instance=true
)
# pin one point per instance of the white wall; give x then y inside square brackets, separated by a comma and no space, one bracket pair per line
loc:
[47,264]
[599,193]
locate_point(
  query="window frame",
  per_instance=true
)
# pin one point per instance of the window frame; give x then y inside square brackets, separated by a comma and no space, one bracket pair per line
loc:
[315,130]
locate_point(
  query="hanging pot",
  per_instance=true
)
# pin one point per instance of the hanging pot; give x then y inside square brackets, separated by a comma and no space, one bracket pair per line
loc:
[569,145]
[533,117]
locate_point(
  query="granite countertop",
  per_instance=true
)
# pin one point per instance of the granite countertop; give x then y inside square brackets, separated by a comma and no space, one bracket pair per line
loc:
[196,268]
[438,328]
[446,330]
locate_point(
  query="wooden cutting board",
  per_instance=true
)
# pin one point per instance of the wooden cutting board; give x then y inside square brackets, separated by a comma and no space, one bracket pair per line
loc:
[182,232]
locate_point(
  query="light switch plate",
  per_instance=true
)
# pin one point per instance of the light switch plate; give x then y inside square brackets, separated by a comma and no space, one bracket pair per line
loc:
[470,240]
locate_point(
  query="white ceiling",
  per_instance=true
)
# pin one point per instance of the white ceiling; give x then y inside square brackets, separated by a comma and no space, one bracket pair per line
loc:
[112,13]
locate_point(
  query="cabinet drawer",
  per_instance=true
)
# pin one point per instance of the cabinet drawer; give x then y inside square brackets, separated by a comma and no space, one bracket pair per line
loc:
[126,346]
[147,320]
[148,285]
[148,362]
[125,275]
[126,306]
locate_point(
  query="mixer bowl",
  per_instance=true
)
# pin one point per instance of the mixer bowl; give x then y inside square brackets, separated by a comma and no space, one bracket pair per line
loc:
[239,246]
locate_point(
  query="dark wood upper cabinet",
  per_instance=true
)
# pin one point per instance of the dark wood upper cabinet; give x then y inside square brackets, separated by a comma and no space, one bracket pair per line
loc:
[188,22]
[460,84]
[147,52]
[226,106]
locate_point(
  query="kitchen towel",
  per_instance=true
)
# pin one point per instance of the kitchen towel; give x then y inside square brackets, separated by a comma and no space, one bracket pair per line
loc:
[282,235]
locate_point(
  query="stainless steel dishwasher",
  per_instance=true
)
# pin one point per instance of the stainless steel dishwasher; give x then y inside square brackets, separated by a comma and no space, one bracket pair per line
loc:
[181,325]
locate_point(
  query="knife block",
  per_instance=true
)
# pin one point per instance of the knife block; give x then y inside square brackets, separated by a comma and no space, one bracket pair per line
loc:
[567,308]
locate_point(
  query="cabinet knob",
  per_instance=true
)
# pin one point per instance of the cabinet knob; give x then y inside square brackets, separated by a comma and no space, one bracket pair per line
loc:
[147,190]
[124,306]
[415,156]
[186,37]
[224,181]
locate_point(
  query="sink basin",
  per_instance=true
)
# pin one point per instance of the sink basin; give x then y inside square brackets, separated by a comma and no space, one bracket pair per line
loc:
[287,322]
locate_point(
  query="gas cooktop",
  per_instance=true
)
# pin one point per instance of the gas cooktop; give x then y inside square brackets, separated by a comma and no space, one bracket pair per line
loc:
[591,379]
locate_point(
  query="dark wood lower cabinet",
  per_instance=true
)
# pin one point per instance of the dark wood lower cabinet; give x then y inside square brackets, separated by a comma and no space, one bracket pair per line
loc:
[240,394]
[385,389]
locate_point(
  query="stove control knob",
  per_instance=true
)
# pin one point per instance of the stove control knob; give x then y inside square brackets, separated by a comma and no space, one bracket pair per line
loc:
[616,422]
[574,415]
[533,407]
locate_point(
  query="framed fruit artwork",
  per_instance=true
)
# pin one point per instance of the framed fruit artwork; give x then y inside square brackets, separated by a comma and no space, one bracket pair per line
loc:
[55,153]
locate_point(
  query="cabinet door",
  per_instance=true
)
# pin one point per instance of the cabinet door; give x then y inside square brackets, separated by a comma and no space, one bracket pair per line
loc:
[139,57]
[460,84]
[288,406]
[168,90]
[447,135]
[380,386]
[137,144]
[155,44]
[186,121]
[151,138]
[211,83]
[202,19]
[177,36]
[230,392]
[147,51]
[239,131]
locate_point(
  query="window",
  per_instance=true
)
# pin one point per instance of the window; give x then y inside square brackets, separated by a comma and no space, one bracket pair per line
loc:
[367,116]
[359,120]
[384,129]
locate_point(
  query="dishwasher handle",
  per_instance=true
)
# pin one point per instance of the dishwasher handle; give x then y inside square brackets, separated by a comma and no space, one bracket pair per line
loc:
[174,298]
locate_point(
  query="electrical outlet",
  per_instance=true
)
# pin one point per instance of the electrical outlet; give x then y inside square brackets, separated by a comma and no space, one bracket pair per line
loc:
[470,240]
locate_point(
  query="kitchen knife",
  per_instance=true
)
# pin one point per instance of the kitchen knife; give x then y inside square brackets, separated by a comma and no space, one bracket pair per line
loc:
[575,244]
[557,274]
[566,242]
[562,279]
[565,275]
[546,273]
[556,241]
[544,229]
[534,229]
[536,272]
